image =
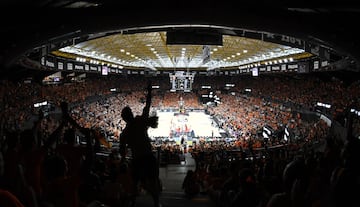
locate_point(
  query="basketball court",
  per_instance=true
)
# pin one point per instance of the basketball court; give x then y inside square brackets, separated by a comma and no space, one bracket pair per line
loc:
[174,125]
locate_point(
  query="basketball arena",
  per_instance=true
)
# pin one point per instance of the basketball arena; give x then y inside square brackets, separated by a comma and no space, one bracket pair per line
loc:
[257,106]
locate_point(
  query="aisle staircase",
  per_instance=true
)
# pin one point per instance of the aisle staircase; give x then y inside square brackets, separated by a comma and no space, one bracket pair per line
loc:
[172,195]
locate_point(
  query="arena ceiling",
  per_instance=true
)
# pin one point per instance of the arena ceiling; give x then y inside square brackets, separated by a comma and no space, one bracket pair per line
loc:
[134,36]
[151,50]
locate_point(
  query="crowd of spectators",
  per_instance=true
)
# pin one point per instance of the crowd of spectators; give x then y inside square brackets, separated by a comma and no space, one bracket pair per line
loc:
[270,174]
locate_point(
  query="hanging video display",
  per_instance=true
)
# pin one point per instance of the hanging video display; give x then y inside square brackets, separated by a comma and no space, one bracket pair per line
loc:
[181,81]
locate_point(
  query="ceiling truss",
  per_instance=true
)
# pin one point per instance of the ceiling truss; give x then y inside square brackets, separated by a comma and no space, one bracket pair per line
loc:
[149,50]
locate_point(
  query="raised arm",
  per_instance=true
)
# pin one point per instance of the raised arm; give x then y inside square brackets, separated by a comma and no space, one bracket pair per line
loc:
[146,109]
[68,118]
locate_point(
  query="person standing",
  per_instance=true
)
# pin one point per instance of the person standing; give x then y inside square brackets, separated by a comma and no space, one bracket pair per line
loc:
[135,137]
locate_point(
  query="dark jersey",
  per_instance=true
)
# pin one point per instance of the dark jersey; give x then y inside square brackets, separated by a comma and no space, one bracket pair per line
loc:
[135,137]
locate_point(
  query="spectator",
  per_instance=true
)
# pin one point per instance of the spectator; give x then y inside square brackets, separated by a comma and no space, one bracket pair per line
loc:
[190,184]
[135,136]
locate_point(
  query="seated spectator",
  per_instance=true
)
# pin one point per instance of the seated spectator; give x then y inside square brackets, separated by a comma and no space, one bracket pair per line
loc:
[291,173]
[345,178]
[73,153]
[59,189]
[248,193]
[190,184]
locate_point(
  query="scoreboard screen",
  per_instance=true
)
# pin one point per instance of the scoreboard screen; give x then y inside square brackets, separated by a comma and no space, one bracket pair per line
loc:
[181,81]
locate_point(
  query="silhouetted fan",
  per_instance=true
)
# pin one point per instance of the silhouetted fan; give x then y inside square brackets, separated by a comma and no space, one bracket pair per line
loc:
[145,166]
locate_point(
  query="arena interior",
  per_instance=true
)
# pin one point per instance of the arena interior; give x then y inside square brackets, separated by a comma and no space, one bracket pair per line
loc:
[263,101]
